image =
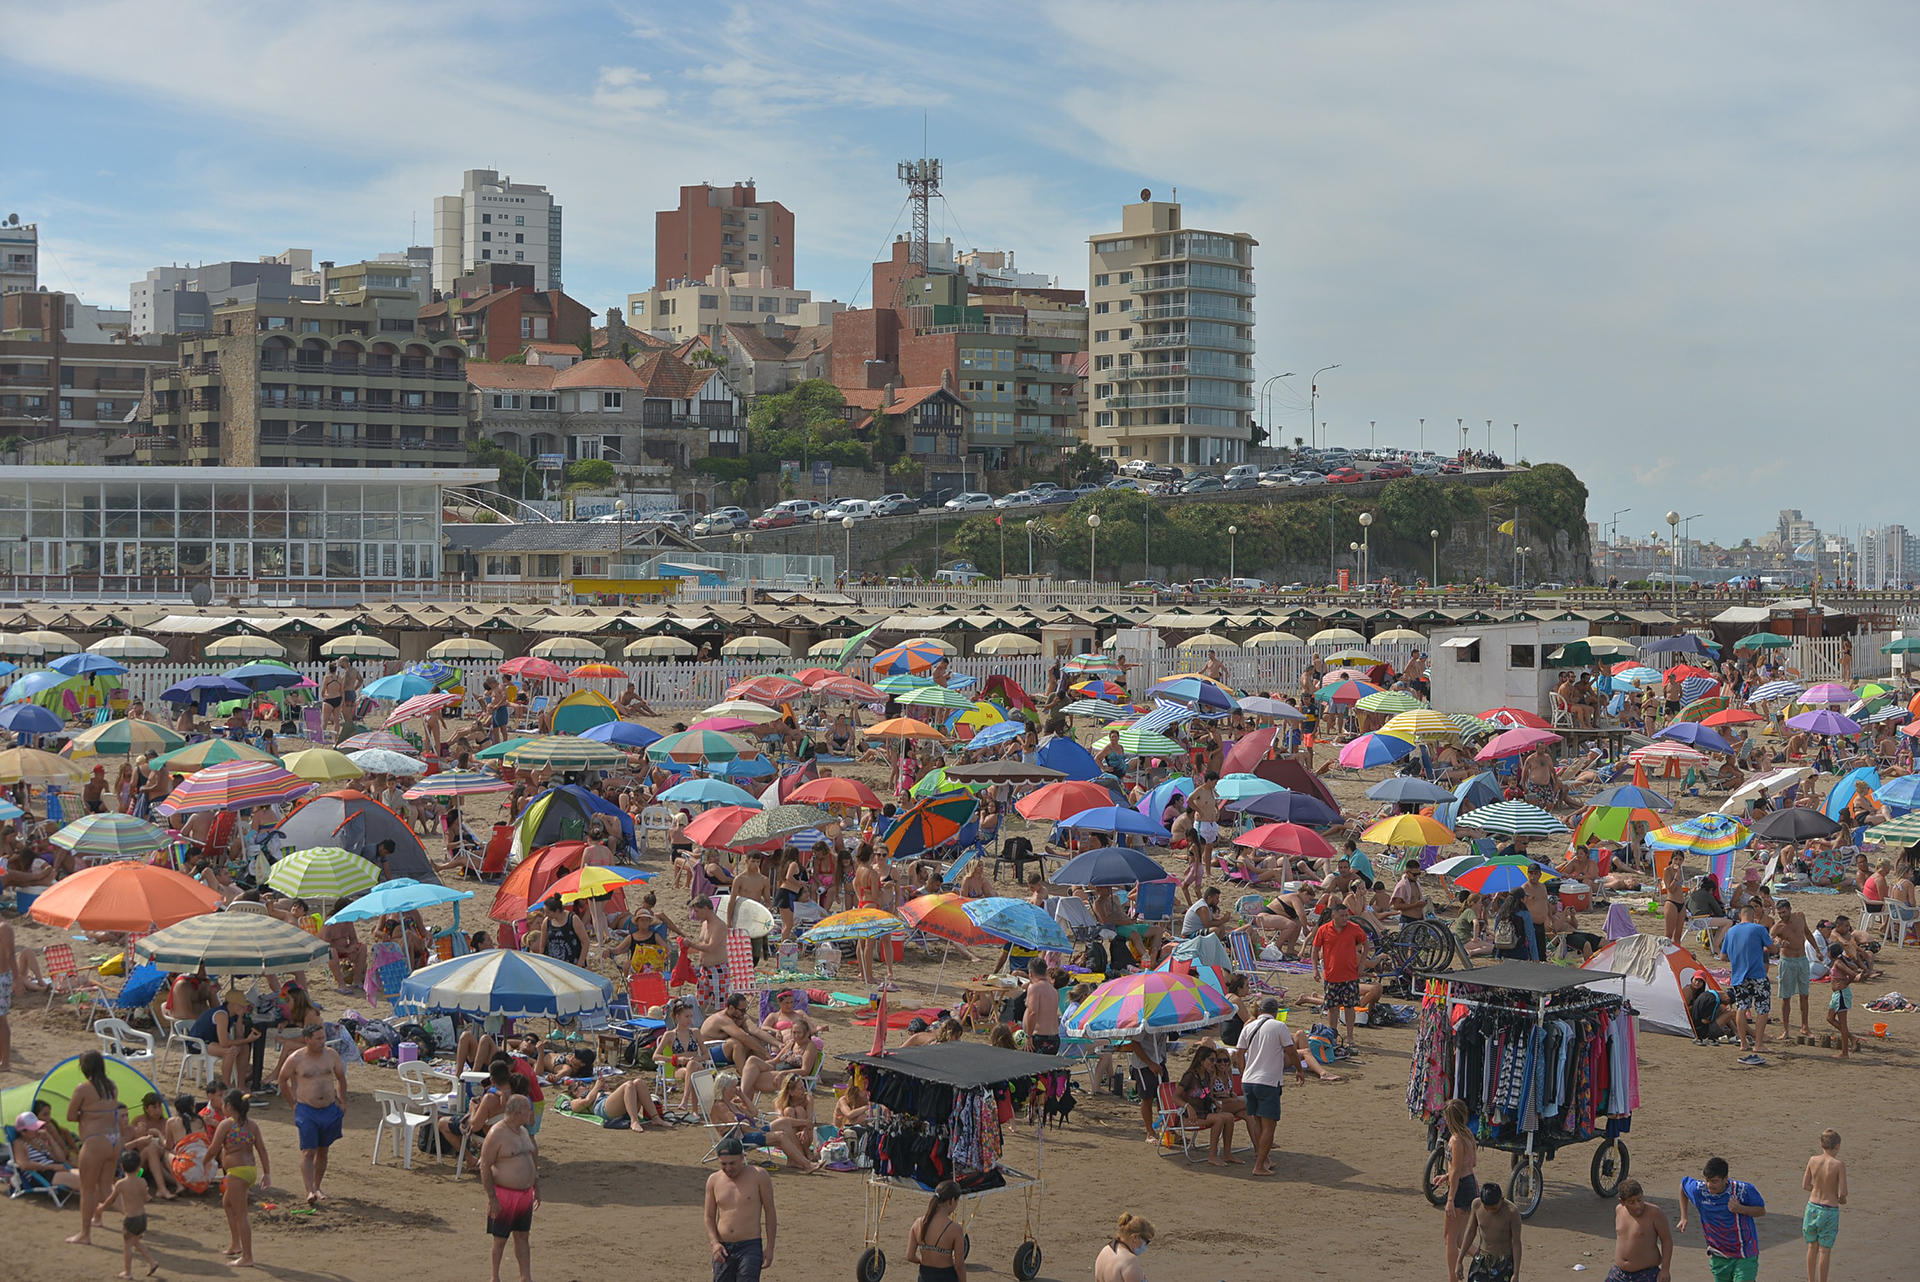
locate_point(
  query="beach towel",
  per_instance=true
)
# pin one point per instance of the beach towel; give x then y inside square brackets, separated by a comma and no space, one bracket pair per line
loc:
[1619,922]
[901,1018]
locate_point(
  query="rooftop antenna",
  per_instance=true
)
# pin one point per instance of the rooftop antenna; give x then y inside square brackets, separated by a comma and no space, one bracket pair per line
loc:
[922,178]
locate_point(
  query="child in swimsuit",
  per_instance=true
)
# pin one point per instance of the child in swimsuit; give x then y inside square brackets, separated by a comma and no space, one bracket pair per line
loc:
[242,1153]
[130,1195]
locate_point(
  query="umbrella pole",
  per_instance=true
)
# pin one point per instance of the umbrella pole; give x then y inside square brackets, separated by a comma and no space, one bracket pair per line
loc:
[944,950]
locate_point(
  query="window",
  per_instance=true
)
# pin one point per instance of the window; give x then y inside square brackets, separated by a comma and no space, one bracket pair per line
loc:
[1103,419]
[503,567]
[585,447]
[519,238]
[519,220]
[519,255]
[1103,390]
[740,303]
[526,327]
[770,305]
[540,401]
[611,400]
[1125,334]
[1465,649]
[486,253]
[486,218]
[1101,309]
[709,302]
[1126,278]
[1126,451]
[753,218]
[1101,279]
[1101,335]
[547,567]
[1521,656]
[1102,362]
[309,327]
[793,307]
[753,258]
[506,402]
[638,307]
[751,236]
[1112,246]
[486,236]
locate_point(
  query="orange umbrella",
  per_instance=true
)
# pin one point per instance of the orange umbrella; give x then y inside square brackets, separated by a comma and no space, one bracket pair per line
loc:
[836,792]
[1060,800]
[528,883]
[596,672]
[902,728]
[942,915]
[124,896]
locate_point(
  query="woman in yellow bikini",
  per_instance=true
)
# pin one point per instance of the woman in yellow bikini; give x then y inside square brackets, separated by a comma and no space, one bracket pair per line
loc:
[242,1153]
[96,1108]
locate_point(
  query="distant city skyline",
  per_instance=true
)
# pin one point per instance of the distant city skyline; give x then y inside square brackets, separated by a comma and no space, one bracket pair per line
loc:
[1682,263]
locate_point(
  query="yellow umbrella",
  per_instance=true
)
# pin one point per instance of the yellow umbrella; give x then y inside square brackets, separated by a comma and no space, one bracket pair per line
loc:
[1422,725]
[982,714]
[1408,830]
[32,766]
[322,765]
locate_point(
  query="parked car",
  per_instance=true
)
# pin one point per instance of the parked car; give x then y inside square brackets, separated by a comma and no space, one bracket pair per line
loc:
[972,502]
[1242,469]
[1148,585]
[961,572]
[722,521]
[1126,483]
[1344,476]
[1451,469]
[1308,478]
[858,509]
[1204,585]
[1425,468]
[1055,497]
[1019,498]
[1246,585]
[1202,484]
[1081,491]
[934,498]
[896,505]
[774,518]
[1389,472]
[1043,487]
[1135,467]
[1241,483]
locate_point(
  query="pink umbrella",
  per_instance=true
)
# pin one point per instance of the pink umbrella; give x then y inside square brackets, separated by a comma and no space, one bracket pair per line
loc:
[725,725]
[1827,692]
[1248,752]
[1514,742]
[532,667]
[770,689]
[845,687]
[420,705]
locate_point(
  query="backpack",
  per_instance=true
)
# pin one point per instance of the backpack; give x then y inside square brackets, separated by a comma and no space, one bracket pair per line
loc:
[1504,935]
[192,1164]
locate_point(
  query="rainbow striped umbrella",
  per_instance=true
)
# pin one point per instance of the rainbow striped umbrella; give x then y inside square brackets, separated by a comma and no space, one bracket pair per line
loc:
[695,746]
[1345,691]
[855,923]
[457,783]
[235,785]
[1089,663]
[1707,834]
[910,656]
[1101,689]
[1377,749]
[1156,1001]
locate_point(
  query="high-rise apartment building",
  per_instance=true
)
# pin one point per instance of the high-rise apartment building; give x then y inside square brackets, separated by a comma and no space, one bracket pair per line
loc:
[1887,557]
[1171,357]
[180,300]
[19,256]
[496,220]
[723,229]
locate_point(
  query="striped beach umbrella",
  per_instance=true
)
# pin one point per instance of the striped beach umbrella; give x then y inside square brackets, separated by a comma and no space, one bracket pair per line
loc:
[384,739]
[1472,727]
[909,656]
[693,747]
[1090,664]
[512,985]
[421,705]
[233,943]
[235,785]
[1707,834]
[496,751]
[127,737]
[780,821]
[1098,709]
[210,752]
[1376,749]
[562,753]
[934,697]
[901,682]
[111,836]
[1154,1001]
[1136,742]
[460,783]
[1390,702]
[588,883]
[1776,692]
[1421,725]
[1101,689]
[855,923]
[1518,818]
[323,872]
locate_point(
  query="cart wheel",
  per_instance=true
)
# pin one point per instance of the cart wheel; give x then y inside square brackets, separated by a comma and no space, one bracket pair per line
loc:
[872,1266]
[966,1246]
[1436,1170]
[1026,1261]
[1610,1167]
[1525,1186]
[1432,945]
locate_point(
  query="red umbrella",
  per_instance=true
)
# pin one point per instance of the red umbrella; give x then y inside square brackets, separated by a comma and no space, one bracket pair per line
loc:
[1249,751]
[1288,839]
[840,686]
[835,792]
[528,883]
[1685,670]
[1733,717]
[1515,742]
[1515,717]
[814,676]
[716,827]
[768,689]
[533,668]
[420,705]
[1057,801]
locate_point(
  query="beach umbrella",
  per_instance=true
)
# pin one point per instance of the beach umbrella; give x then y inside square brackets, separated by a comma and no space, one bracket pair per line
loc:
[129,647]
[421,705]
[1491,878]
[210,752]
[1008,643]
[725,725]
[1272,640]
[1824,721]
[401,894]
[1018,922]
[457,783]
[831,648]
[111,836]
[1763,641]
[512,985]
[468,649]
[499,750]
[1629,796]
[756,647]
[855,923]
[357,645]
[1374,749]
[1100,688]
[711,792]
[1287,807]
[383,761]
[934,697]
[1776,692]
[565,753]
[1390,702]
[21,644]
[902,728]
[695,746]
[902,682]
[1632,674]
[1090,663]
[1260,706]
[29,718]
[1472,727]
[123,896]
[1708,834]
[993,736]
[1345,690]
[384,739]
[1245,787]
[717,827]
[1699,689]
[1350,658]
[928,824]
[1732,717]
[835,792]
[1667,752]
[243,647]
[32,766]
[1903,792]
[1407,790]
[1512,743]
[910,656]
[1796,823]
[126,737]
[935,782]
[1827,692]
[1514,718]
[1421,725]
[1705,738]
[1249,750]
[1108,866]
[264,676]
[1098,709]
[770,689]
[1517,818]
[1408,830]
[849,688]
[577,648]
[1136,742]
[944,916]
[1201,694]
[399,686]
[1117,820]
[1904,831]
[1154,1001]
[780,821]
[746,710]
[323,765]
[1208,641]
[1287,839]
[88,664]
[237,943]
[323,872]
[587,883]
[1155,803]
[625,734]
[533,667]
[738,768]
[1057,801]
[235,785]
[661,648]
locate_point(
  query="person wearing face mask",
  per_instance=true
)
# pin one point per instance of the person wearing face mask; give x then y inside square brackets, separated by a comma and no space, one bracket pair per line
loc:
[1120,1259]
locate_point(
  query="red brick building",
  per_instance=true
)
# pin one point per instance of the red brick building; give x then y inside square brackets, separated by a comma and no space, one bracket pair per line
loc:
[729,229]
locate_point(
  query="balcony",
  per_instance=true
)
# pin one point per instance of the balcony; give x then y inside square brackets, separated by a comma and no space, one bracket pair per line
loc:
[1192,310]
[1154,400]
[1182,369]
[1181,280]
[1151,342]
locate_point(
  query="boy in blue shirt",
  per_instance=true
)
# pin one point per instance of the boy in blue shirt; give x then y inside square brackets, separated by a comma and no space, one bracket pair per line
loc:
[1727,1210]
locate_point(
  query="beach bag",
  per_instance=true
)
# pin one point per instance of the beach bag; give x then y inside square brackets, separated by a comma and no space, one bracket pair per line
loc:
[1322,1043]
[1503,934]
[191,1164]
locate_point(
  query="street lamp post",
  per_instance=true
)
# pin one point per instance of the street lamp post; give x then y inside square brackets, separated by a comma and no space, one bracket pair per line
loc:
[1266,402]
[1516,442]
[1146,524]
[846,523]
[1673,576]
[1521,581]
[1423,436]
[1366,547]
[1233,532]
[1093,538]
[1461,423]
[1313,402]
[1359,575]
[1030,524]
[1435,536]
[619,538]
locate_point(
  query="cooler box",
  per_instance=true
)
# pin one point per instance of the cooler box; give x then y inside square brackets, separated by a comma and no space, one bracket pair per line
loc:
[1575,897]
[895,946]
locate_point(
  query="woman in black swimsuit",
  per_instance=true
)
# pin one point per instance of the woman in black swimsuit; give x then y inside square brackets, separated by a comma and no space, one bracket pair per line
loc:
[936,1242]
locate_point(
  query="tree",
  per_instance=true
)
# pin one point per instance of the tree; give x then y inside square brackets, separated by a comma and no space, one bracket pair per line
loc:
[513,469]
[590,471]
[707,358]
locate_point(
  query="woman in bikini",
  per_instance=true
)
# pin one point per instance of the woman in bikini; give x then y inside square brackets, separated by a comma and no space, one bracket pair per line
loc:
[791,890]
[936,1242]
[1197,1093]
[683,1049]
[97,1110]
[242,1153]
[795,1127]
[1673,898]
[1462,1188]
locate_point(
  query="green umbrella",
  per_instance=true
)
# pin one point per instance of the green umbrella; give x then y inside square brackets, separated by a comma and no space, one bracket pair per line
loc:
[112,836]
[852,647]
[901,683]
[323,872]
[1391,702]
[1768,641]
[210,752]
[935,697]
[1904,645]
[237,943]
[1148,743]
[566,752]
[1904,831]
[502,748]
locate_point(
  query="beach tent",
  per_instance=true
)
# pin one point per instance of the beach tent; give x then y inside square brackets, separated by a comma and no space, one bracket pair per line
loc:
[1294,777]
[354,821]
[58,1085]
[1836,803]
[583,710]
[561,814]
[1063,754]
[1655,971]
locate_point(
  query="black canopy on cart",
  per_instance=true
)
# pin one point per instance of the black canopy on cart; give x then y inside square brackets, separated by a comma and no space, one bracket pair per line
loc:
[963,1065]
[1523,976]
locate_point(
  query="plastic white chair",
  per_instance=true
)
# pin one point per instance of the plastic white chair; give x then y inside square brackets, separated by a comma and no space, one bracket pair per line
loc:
[415,1074]
[194,1058]
[654,819]
[396,1113]
[1900,920]
[118,1038]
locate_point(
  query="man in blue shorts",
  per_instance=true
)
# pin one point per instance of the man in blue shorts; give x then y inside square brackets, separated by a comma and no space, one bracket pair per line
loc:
[1261,1057]
[315,1079]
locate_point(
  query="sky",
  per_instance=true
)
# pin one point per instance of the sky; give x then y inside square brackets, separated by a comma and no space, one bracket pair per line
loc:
[1674,243]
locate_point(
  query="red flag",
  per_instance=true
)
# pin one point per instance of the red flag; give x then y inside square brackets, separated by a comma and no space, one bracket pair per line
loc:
[880,1027]
[997,520]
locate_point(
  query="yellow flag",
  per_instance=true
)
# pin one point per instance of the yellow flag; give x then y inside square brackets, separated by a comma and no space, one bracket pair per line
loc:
[1506,527]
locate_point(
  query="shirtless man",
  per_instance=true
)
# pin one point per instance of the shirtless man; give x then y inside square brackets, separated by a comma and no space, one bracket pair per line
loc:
[1796,968]
[709,955]
[730,1025]
[1490,1251]
[1642,1241]
[510,1174]
[1541,779]
[741,1224]
[315,1078]
[750,883]
[1042,1020]
[1206,813]
[348,958]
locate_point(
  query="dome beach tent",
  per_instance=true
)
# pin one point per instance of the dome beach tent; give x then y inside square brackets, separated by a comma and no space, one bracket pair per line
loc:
[356,822]
[1655,971]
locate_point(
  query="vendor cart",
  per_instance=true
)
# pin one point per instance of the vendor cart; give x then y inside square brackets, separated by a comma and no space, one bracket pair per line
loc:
[962,1067]
[1544,1057]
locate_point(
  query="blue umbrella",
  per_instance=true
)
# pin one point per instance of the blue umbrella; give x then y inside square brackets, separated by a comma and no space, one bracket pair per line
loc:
[1018,922]
[401,685]
[711,792]
[34,683]
[1195,692]
[87,665]
[513,985]
[29,718]
[1155,803]
[10,811]
[1242,787]
[1409,791]
[264,676]
[995,735]
[632,874]
[1684,644]
[1481,790]
[1697,687]
[742,768]
[6,667]
[1071,758]
[203,690]
[1903,792]
[1626,796]
[142,984]
[1115,819]
[1705,738]
[1288,808]
[1108,866]
[398,896]
[627,734]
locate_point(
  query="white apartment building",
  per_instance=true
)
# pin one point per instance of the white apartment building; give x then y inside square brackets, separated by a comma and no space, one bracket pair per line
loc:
[19,256]
[1887,557]
[1170,368]
[683,309]
[496,220]
[141,295]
